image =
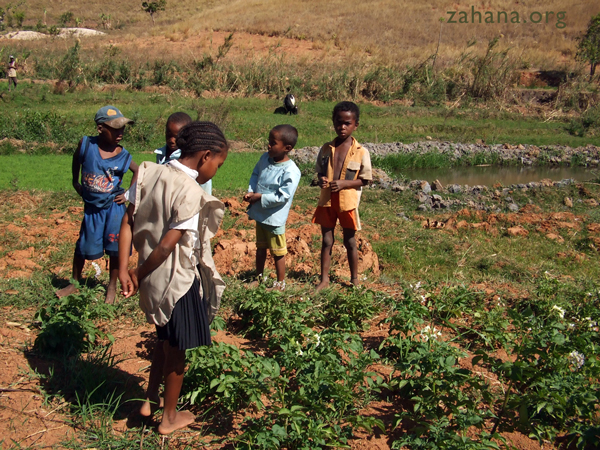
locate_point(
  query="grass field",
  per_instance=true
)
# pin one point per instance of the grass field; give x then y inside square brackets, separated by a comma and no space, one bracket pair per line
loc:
[381,30]
[47,126]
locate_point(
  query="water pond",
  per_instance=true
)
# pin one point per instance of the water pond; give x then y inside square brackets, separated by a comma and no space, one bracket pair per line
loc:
[505,175]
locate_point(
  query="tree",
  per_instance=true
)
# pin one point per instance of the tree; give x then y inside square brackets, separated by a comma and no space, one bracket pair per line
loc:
[154,7]
[588,49]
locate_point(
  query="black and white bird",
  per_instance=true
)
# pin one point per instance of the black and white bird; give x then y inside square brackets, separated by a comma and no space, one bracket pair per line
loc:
[289,104]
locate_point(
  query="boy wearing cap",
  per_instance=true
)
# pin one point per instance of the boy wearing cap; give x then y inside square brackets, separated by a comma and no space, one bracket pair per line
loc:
[102,163]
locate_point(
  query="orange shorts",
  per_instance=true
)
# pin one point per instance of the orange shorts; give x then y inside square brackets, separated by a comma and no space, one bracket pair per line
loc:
[328,216]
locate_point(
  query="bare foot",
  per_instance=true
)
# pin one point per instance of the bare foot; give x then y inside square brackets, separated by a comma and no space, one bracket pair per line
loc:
[70,289]
[355,282]
[150,406]
[111,294]
[181,419]
[322,285]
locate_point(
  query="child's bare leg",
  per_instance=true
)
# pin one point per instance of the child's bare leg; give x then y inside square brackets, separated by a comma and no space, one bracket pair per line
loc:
[173,372]
[261,259]
[280,267]
[111,290]
[352,250]
[78,263]
[153,401]
[326,248]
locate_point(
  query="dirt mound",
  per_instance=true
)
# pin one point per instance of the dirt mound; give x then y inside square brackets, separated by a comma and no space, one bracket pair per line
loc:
[513,224]
[53,230]
[235,249]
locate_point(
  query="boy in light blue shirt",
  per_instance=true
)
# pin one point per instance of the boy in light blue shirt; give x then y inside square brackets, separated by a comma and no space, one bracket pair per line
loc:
[272,186]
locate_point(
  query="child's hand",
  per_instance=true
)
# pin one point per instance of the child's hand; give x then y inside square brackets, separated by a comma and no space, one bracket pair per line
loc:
[323,182]
[129,282]
[252,197]
[338,185]
[120,199]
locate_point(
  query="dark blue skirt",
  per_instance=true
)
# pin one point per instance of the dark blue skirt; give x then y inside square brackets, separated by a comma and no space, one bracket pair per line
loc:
[189,326]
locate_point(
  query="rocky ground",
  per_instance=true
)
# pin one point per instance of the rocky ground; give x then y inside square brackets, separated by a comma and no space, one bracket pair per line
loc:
[505,154]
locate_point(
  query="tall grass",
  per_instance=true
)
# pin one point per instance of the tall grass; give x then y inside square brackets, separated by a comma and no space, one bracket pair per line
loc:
[485,74]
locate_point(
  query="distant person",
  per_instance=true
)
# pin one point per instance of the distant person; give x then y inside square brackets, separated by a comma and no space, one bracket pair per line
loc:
[170,223]
[272,186]
[12,72]
[169,152]
[103,164]
[343,168]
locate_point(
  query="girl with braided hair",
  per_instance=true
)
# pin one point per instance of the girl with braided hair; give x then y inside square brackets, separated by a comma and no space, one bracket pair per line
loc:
[170,222]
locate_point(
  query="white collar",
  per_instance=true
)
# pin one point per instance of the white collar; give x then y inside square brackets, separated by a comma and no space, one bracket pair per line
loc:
[191,172]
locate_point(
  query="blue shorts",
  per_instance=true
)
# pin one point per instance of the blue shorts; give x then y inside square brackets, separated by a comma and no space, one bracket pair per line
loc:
[99,231]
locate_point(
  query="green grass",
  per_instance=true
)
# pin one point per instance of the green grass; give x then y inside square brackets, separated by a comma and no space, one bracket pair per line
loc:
[53,172]
[40,117]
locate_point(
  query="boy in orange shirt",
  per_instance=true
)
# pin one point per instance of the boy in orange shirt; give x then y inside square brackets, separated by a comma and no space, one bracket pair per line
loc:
[343,168]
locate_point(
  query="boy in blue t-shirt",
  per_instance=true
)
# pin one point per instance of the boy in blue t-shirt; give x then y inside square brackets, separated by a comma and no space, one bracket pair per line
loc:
[103,163]
[272,186]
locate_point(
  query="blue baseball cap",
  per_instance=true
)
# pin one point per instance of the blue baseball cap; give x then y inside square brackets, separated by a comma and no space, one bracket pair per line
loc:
[112,117]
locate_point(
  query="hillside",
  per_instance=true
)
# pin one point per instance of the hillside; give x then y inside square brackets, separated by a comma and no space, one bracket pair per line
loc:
[381,30]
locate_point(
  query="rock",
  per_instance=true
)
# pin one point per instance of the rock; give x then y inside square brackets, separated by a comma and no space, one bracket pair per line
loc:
[422,197]
[398,187]
[454,188]
[437,186]
[591,202]
[425,187]
[422,207]
[403,216]
[568,202]
[436,198]
[513,207]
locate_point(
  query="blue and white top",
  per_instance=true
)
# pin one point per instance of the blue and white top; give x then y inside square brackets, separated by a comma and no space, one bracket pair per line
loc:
[163,158]
[101,178]
[277,182]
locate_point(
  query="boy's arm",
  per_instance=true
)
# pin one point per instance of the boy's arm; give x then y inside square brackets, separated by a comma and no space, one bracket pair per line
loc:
[289,183]
[365,175]
[250,196]
[122,198]
[321,169]
[128,286]
[76,167]
[134,168]
[338,185]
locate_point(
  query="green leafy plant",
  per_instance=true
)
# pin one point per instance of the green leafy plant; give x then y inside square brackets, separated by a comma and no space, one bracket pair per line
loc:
[67,324]
[66,18]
